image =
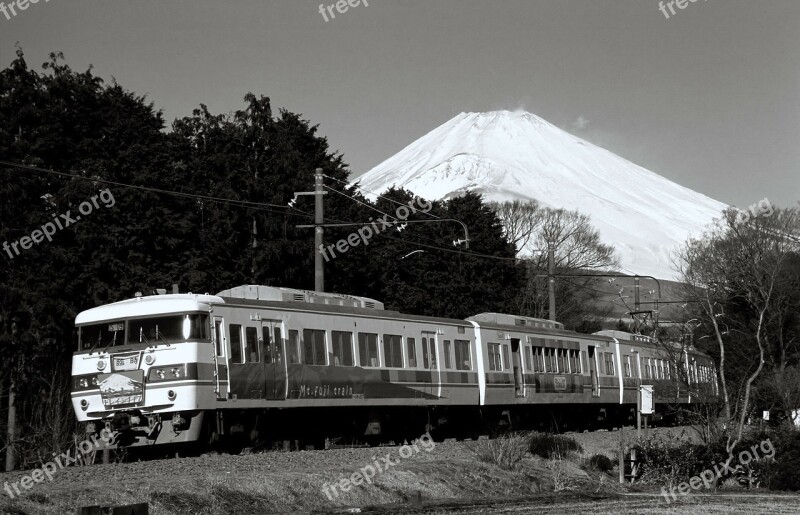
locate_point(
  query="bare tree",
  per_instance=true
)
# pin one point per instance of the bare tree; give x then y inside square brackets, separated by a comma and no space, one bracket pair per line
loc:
[520,220]
[577,250]
[742,265]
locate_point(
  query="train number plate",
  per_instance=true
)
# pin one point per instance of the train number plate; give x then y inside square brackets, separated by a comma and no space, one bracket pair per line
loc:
[560,383]
[126,362]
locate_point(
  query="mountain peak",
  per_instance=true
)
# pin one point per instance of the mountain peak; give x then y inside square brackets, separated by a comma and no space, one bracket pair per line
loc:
[517,155]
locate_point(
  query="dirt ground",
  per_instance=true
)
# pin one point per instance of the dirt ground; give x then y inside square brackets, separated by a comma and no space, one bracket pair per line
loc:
[449,478]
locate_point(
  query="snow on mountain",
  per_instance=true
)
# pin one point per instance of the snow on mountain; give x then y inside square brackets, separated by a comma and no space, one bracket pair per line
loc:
[119,383]
[519,156]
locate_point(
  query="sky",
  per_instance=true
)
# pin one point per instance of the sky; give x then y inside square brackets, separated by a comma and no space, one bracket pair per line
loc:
[708,98]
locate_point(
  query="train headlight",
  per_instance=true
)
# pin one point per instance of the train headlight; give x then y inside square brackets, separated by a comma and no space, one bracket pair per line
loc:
[94,381]
[83,382]
[160,373]
[149,359]
[101,365]
[177,372]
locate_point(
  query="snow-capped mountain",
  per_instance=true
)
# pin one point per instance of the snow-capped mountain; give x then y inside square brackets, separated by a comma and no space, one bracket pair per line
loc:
[518,156]
[116,383]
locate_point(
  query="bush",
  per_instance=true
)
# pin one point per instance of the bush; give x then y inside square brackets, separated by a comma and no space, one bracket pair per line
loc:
[601,462]
[505,451]
[783,473]
[670,460]
[547,445]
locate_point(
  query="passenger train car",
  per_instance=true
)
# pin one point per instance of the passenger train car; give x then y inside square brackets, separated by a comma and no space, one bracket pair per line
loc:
[255,365]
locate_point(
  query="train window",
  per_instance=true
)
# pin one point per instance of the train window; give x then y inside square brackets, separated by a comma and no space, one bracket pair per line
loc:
[425,361]
[574,361]
[294,346]
[627,360]
[528,363]
[235,332]
[667,371]
[448,359]
[661,369]
[368,349]
[647,368]
[609,360]
[342,343]
[267,339]
[102,335]
[174,328]
[411,352]
[560,359]
[393,350]
[548,362]
[495,358]
[538,365]
[218,337]
[314,347]
[251,345]
[506,352]
[278,343]
[463,357]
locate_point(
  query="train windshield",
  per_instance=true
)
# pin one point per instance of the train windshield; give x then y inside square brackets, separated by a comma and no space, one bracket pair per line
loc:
[102,335]
[168,329]
[150,331]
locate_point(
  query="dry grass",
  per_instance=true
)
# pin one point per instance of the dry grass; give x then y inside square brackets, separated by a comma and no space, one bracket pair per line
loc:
[290,482]
[506,452]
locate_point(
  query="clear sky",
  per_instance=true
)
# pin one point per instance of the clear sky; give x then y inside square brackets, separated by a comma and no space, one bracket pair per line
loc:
[709,98]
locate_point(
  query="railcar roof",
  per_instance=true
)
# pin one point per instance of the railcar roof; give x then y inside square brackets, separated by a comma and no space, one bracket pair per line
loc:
[146,306]
[344,310]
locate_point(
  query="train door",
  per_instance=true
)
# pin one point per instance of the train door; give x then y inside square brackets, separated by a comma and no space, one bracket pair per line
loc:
[430,363]
[221,382]
[274,360]
[516,362]
[593,372]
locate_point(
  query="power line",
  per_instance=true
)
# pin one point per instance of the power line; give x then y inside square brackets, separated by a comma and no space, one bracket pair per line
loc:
[377,195]
[262,206]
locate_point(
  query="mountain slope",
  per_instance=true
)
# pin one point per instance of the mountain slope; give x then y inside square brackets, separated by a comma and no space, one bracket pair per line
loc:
[518,156]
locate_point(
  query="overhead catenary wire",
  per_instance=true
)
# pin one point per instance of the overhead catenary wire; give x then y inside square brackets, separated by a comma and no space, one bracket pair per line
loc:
[263,206]
[377,195]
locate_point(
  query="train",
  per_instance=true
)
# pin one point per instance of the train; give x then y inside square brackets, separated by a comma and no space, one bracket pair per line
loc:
[266,366]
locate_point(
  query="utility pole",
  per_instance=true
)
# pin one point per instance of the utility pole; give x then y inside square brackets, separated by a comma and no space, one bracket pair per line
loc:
[551,283]
[319,270]
[11,432]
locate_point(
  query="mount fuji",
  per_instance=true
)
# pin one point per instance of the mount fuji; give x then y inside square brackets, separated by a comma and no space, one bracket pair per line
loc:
[506,155]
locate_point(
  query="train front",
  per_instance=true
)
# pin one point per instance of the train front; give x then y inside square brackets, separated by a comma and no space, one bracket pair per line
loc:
[145,370]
